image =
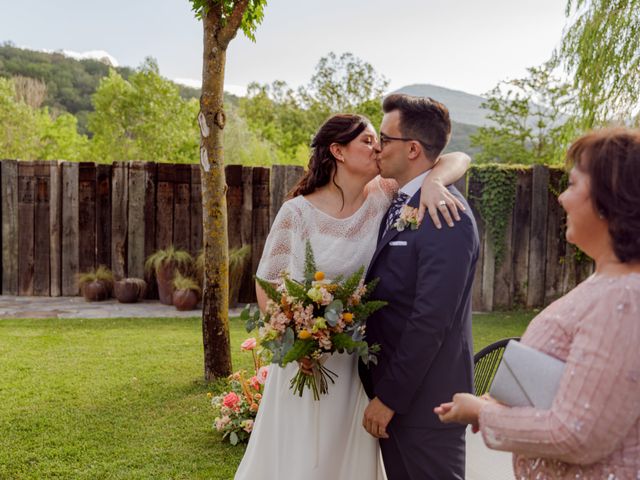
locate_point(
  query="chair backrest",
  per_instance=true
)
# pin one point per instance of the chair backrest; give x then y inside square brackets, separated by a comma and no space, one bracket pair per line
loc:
[486,363]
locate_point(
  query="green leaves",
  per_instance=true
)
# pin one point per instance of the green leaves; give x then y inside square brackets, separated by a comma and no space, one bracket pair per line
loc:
[309,263]
[269,289]
[300,348]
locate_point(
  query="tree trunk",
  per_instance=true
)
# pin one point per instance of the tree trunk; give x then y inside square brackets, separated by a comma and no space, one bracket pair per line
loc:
[215,320]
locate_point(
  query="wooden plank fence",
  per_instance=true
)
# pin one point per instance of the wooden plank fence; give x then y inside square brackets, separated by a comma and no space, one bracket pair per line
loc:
[62,218]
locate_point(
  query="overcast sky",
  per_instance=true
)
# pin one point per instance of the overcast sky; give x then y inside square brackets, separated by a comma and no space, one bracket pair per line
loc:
[467,45]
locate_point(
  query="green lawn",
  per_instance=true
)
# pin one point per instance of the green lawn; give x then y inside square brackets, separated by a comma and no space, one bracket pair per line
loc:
[124,398]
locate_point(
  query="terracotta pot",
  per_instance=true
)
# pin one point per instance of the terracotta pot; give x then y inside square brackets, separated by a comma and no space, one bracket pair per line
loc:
[185,299]
[164,277]
[95,291]
[127,291]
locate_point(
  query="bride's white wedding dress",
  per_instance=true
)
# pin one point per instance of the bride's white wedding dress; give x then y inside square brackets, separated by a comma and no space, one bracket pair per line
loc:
[297,437]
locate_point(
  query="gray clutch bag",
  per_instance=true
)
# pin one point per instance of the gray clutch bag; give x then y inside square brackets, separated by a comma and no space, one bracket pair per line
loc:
[526,377]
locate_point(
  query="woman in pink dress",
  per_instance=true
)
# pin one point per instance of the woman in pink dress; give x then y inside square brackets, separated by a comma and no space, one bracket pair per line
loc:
[592,430]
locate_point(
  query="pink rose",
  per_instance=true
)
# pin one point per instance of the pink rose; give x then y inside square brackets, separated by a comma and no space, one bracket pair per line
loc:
[231,400]
[255,383]
[262,374]
[248,344]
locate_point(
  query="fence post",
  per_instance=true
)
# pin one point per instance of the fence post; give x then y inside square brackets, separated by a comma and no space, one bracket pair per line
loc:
[26,233]
[196,211]
[42,244]
[164,206]
[247,290]
[474,193]
[136,233]
[87,225]
[9,186]
[538,239]
[103,215]
[55,229]
[70,232]
[119,201]
[181,214]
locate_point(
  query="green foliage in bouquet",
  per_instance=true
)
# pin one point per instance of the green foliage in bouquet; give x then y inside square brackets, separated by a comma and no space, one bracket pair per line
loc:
[313,318]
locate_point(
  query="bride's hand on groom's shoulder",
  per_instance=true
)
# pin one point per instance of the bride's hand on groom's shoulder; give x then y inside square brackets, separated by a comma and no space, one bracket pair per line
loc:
[434,198]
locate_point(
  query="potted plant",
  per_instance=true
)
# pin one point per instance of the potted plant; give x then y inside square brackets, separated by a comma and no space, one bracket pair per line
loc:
[129,290]
[165,263]
[186,293]
[96,284]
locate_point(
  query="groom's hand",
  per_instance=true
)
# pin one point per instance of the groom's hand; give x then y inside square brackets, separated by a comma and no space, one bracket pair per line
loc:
[376,418]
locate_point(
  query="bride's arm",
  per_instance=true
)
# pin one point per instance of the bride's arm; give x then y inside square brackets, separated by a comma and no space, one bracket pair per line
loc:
[262,298]
[435,197]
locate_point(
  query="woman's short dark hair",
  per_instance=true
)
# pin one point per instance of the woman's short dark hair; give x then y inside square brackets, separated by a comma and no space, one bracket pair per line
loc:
[342,129]
[423,119]
[611,158]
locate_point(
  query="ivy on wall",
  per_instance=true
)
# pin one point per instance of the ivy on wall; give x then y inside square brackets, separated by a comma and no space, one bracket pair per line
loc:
[495,200]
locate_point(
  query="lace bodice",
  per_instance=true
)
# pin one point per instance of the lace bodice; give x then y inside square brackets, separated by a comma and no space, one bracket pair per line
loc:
[340,246]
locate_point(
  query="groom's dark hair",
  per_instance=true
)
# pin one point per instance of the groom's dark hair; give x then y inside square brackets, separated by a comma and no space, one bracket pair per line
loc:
[423,119]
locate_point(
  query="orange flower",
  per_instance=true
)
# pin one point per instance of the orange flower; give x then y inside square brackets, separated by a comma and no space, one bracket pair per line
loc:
[347,317]
[304,334]
[319,276]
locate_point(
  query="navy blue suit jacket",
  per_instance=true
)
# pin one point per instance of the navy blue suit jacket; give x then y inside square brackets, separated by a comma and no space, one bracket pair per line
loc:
[424,332]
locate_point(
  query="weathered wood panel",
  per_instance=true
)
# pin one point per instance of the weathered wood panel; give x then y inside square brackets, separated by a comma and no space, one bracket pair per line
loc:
[103,215]
[182,216]
[260,227]
[283,178]
[521,236]
[55,228]
[151,178]
[87,216]
[41,273]
[164,206]
[556,244]
[9,186]
[247,290]
[503,282]
[70,232]
[538,237]
[119,225]
[474,193]
[135,220]
[26,233]
[196,211]
[233,174]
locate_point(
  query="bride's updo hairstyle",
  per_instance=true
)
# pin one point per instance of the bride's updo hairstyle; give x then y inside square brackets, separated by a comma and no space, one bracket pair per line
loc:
[342,129]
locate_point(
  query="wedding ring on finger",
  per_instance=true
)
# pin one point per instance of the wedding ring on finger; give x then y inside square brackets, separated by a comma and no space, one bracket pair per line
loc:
[442,203]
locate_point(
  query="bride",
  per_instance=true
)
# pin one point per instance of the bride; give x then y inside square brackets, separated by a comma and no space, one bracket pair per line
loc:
[337,206]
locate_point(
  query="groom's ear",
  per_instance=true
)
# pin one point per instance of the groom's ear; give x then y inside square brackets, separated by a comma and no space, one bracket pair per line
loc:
[336,151]
[414,150]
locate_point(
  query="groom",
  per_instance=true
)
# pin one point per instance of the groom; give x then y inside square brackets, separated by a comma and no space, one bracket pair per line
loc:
[426,275]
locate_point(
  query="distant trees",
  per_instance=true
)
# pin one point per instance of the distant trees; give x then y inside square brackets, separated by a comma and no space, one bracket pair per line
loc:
[29,133]
[143,118]
[533,120]
[288,118]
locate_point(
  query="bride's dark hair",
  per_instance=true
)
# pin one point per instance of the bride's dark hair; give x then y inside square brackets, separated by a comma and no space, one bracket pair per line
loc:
[341,128]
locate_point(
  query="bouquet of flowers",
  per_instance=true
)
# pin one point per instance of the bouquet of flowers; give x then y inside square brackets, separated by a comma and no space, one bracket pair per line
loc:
[312,319]
[236,408]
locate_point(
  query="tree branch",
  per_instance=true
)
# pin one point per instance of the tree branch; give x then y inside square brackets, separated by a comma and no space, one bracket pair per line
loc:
[233,22]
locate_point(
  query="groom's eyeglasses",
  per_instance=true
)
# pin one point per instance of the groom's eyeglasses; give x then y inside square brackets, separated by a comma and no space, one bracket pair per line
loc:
[384,139]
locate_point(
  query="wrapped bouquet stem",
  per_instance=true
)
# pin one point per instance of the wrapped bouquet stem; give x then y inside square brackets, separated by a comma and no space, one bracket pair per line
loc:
[313,318]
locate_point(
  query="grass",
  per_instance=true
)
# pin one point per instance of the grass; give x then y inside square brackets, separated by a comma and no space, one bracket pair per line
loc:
[124,398]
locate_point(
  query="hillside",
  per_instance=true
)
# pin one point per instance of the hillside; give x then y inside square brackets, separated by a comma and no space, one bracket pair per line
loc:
[463,107]
[70,82]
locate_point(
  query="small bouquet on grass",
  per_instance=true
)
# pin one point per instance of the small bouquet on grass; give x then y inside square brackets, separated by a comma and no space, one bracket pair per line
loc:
[313,319]
[236,408]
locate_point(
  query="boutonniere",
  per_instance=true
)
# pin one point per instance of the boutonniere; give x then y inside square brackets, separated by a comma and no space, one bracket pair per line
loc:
[408,218]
